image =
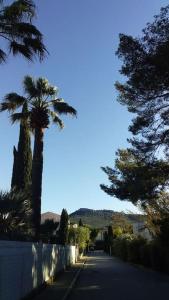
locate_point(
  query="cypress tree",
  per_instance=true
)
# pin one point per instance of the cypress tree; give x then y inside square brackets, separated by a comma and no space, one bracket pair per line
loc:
[80,223]
[22,166]
[14,171]
[63,230]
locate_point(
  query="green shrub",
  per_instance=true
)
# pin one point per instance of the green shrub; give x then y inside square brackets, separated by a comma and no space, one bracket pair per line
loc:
[120,246]
[134,249]
[166,260]
[145,255]
[157,256]
[138,250]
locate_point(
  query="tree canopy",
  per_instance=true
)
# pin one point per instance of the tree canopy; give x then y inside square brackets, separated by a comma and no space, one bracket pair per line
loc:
[145,63]
[134,179]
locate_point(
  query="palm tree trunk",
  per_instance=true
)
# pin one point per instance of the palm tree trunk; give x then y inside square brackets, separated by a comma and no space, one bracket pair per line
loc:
[37,169]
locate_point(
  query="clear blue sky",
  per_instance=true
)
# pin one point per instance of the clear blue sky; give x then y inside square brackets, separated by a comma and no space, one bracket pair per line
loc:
[82,37]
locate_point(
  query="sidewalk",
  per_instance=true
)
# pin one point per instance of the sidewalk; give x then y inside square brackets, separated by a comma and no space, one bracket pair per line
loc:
[58,289]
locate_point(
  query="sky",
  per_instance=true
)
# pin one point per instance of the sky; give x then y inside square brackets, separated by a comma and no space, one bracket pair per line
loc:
[81,37]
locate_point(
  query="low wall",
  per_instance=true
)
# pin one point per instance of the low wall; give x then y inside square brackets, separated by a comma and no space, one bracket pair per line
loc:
[25,266]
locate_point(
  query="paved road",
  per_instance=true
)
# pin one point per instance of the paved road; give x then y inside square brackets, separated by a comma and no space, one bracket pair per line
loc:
[105,278]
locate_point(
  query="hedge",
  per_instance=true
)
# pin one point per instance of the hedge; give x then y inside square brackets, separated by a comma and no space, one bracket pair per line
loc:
[138,250]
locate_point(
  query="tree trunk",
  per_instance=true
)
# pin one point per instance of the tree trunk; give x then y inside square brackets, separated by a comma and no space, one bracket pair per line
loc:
[37,169]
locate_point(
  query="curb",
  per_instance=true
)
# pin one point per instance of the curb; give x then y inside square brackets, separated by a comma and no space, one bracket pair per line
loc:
[72,284]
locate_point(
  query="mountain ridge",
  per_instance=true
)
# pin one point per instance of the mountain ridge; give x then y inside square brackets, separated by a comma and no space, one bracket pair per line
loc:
[94,217]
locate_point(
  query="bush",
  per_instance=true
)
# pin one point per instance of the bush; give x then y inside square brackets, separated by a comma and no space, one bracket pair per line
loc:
[138,250]
[120,246]
[134,249]
[145,255]
[157,256]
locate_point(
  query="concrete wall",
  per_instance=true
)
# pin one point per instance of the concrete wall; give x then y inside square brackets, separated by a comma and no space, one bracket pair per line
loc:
[25,266]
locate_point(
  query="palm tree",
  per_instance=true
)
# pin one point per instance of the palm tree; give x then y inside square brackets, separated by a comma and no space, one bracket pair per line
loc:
[15,212]
[17,30]
[43,107]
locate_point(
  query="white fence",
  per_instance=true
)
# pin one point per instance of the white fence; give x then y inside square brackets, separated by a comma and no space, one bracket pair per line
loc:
[25,266]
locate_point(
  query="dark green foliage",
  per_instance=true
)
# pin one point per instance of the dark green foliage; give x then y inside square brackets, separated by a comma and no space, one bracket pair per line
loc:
[119,248]
[145,254]
[135,179]
[108,239]
[145,63]
[80,222]
[137,250]
[16,28]
[14,180]
[15,215]
[93,234]
[22,166]
[134,249]
[110,235]
[48,231]
[164,230]
[106,242]
[63,228]
[159,256]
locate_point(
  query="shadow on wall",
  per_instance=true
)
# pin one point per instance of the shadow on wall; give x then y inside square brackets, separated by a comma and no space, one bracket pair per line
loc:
[25,266]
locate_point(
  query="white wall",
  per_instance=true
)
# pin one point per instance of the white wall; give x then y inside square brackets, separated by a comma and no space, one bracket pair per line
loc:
[139,229]
[25,266]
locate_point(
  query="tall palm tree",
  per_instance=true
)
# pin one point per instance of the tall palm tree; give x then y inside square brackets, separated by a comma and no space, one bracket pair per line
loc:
[17,30]
[43,107]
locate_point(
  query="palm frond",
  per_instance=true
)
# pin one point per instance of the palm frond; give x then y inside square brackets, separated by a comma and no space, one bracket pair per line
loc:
[29,48]
[23,29]
[15,98]
[56,120]
[42,85]
[44,88]
[29,86]
[2,56]
[59,122]
[36,46]
[63,108]
[12,102]
[19,10]
[17,29]
[17,48]
[18,117]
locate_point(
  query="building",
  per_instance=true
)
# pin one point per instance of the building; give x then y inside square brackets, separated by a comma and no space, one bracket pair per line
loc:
[140,229]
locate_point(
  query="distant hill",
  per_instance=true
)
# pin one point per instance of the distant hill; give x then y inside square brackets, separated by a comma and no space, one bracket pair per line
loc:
[94,218]
[100,218]
[50,216]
